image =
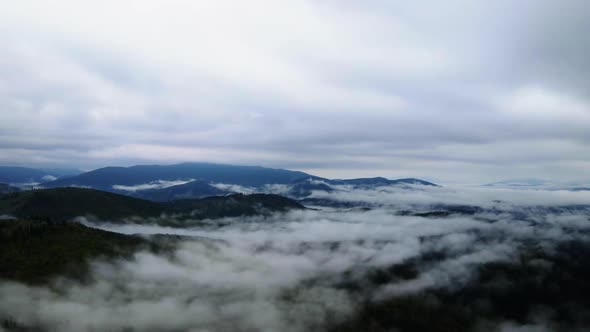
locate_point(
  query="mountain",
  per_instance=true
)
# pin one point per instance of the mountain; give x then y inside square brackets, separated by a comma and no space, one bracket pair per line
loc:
[197,180]
[60,204]
[32,176]
[67,203]
[412,181]
[192,189]
[379,181]
[106,178]
[6,189]
[23,175]
[33,251]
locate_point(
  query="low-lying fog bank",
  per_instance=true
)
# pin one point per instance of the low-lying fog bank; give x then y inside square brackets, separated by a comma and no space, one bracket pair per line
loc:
[333,271]
[485,197]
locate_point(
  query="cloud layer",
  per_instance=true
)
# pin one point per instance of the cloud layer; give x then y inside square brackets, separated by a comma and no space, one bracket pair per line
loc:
[286,272]
[428,197]
[462,91]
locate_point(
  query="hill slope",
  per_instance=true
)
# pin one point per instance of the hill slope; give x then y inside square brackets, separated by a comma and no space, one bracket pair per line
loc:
[6,189]
[35,251]
[66,203]
[10,174]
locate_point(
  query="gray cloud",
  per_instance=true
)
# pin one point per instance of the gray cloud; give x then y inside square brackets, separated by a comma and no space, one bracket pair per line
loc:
[464,92]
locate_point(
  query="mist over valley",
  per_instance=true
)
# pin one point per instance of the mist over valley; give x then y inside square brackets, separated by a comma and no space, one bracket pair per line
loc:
[295,166]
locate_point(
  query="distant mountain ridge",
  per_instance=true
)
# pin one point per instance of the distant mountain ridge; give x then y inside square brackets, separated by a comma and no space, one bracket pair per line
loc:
[161,183]
[106,178]
[199,180]
[14,175]
[380,181]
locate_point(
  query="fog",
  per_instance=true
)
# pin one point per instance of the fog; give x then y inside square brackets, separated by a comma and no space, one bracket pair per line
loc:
[285,272]
[158,184]
[235,188]
[459,195]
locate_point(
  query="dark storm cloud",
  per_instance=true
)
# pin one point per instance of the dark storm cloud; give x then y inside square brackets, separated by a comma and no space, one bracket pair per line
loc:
[465,91]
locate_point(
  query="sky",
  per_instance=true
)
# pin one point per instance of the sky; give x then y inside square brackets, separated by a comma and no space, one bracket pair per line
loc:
[453,91]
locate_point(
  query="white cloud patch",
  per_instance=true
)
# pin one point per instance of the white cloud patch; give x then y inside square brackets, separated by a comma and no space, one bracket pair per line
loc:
[234,188]
[25,185]
[276,188]
[48,178]
[158,184]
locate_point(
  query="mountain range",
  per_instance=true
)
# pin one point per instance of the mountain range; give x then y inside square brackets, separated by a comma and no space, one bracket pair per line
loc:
[192,180]
[195,191]
[108,177]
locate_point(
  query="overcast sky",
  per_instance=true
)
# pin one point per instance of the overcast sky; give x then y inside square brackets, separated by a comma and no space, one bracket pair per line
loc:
[454,91]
